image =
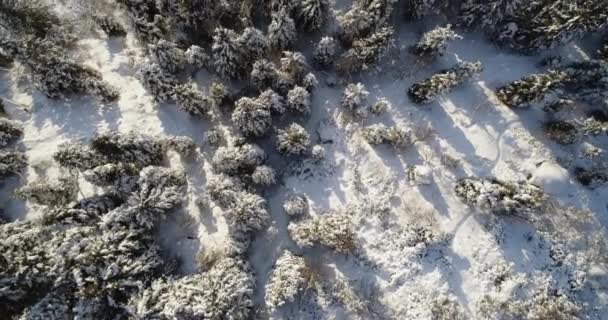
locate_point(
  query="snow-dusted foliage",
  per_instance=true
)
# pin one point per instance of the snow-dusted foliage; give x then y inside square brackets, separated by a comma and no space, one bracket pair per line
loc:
[112,147]
[238,159]
[533,26]
[264,176]
[254,43]
[289,278]
[227,53]
[587,80]
[35,36]
[364,18]
[11,163]
[333,230]
[109,25]
[378,134]
[251,117]
[183,145]
[10,132]
[429,90]
[168,56]
[325,51]
[191,100]
[318,152]
[50,193]
[293,140]
[146,20]
[310,81]
[354,98]
[298,100]
[417,9]
[272,101]
[197,57]
[263,74]
[311,14]
[366,51]
[223,292]
[129,147]
[380,107]
[225,190]
[97,263]
[501,197]
[122,177]
[296,205]
[293,64]
[213,138]
[530,89]
[282,30]
[249,213]
[434,43]
[160,84]
[57,77]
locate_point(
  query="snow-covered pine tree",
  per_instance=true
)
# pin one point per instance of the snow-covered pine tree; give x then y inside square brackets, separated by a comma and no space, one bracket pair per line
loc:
[254,44]
[282,30]
[428,90]
[249,213]
[54,73]
[296,205]
[417,9]
[287,280]
[318,152]
[189,99]
[333,230]
[183,145]
[168,56]
[11,163]
[50,193]
[197,57]
[311,14]
[223,292]
[298,100]
[587,80]
[112,147]
[147,21]
[294,64]
[366,51]
[530,27]
[325,52]
[161,84]
[238,160]
[378,134]
[227,53]
[263,176]
[530,89]
[310,82]
[263,75]
[500,197]
[120,177]
[354,98]
[10,132]
[355,23]
[272,101]
[251,117]
[434,43]
[109,25]
[380,107]
[294,140]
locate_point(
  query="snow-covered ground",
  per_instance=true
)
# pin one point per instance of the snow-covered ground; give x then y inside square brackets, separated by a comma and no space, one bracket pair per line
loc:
[431,249]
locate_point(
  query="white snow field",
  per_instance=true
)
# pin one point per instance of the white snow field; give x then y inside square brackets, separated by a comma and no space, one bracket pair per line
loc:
[416,250]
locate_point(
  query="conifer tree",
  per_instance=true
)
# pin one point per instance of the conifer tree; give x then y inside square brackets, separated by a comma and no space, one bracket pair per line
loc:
[428,90]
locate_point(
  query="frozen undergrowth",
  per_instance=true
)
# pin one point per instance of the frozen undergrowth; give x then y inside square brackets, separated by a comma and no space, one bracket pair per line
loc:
[413,250]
